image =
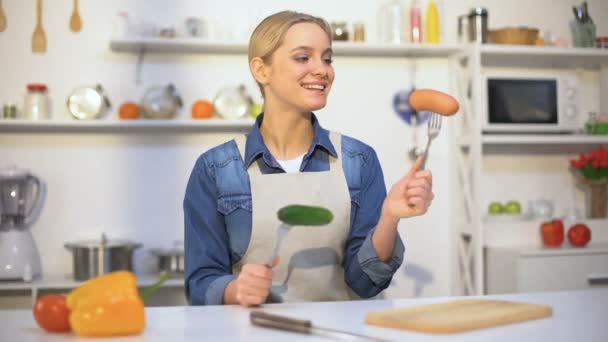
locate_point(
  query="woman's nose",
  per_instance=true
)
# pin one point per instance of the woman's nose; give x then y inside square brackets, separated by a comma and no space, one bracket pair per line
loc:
[321,69]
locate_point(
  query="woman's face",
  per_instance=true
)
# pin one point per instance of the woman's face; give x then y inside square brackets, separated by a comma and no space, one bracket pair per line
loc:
[300,73]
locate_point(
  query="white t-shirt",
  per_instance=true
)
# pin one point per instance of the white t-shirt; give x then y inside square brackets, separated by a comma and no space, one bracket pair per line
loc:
[292,165]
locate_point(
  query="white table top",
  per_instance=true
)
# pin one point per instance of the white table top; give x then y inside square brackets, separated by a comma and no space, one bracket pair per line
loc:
[577,316]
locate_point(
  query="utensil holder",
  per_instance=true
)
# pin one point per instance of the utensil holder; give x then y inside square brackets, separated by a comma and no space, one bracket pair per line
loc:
[583,34]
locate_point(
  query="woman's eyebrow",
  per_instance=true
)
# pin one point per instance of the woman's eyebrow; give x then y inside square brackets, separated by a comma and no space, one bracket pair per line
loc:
[308,48]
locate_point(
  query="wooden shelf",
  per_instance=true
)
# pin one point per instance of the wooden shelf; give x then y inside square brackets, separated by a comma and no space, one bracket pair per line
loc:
[115,126]
[543,56]
[351,49]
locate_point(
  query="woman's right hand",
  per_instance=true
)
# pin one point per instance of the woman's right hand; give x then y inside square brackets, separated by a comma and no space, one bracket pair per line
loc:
[253,284]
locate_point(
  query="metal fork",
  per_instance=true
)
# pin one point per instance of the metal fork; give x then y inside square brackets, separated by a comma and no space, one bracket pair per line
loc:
[433,128]
[281,234]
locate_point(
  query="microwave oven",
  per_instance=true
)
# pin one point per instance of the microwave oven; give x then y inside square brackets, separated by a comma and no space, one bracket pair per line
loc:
[530,103]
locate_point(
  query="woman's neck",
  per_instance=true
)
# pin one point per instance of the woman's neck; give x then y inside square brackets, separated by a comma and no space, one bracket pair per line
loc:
[287,134]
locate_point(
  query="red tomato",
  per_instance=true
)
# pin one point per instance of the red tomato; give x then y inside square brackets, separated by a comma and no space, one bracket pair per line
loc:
[51,313]
[579,235]
[552,233]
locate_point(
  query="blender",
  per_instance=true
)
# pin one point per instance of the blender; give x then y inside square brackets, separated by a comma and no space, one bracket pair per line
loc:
[20,203]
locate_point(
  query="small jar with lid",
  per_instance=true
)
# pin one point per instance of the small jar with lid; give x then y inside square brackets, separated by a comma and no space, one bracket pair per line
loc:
[339,31]
[37,103]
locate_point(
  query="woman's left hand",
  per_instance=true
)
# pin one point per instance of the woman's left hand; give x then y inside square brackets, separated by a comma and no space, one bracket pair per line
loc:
[411,195]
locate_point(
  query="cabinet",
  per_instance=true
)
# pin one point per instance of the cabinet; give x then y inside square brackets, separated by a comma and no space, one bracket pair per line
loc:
[474,151]
[531,269]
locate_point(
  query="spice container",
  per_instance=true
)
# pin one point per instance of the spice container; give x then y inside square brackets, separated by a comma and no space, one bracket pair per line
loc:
[37,103]
[339,31]
[9,111]
[359,32]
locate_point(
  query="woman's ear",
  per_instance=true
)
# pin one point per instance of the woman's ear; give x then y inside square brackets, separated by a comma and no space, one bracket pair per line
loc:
[259,70]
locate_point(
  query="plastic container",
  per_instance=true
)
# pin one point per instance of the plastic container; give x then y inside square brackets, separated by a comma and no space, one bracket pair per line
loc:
[37,103]
[433,35]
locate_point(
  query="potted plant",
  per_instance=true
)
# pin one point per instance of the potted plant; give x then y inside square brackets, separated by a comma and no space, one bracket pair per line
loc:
[592,170]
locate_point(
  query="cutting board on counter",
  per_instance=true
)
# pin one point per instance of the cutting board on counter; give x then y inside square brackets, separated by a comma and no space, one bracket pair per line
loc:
[457,316]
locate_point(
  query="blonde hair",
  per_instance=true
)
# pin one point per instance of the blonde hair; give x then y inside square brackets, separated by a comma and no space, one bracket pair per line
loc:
[270,32]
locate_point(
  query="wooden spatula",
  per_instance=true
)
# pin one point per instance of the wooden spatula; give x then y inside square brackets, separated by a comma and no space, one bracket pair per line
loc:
[75,21]
[39,37]
[2,18]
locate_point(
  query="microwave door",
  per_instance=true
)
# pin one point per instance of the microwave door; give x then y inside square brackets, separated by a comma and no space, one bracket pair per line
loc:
[522,102]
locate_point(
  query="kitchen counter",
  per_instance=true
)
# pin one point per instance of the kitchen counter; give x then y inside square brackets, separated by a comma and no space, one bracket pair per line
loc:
[577,316]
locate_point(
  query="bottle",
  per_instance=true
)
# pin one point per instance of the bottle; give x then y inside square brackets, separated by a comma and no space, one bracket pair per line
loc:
[415,23]
[433,35]
[393,28]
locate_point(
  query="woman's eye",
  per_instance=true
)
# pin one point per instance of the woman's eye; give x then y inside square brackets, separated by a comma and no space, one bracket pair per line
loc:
[302,58]
[329,60]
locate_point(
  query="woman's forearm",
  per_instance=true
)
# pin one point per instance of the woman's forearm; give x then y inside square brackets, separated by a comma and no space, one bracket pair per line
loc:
[385,235]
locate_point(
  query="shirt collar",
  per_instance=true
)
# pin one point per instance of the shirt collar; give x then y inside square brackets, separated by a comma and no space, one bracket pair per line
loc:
[255,144]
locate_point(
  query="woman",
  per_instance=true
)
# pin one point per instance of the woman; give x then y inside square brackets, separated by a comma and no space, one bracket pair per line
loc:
[235,189]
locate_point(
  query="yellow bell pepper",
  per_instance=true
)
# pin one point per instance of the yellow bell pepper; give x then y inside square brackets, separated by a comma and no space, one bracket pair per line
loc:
[108,305]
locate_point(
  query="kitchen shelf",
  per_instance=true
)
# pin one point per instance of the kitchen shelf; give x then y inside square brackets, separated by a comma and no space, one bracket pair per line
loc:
[540,143]
[63,282]
[350,49]
[543,56]
[141,125]
[520,234]
[543,139]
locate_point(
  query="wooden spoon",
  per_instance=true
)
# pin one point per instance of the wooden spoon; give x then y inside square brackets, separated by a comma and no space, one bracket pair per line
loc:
[2,18]
[39,37]
[75,21]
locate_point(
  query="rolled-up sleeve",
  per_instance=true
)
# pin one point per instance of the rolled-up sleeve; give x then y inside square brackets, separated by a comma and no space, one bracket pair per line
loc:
[366,274]
[208,267]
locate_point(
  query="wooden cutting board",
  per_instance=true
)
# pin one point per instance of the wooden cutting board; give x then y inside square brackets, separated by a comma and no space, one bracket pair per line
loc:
[457,316]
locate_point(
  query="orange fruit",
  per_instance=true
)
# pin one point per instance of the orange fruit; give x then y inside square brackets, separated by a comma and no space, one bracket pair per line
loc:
[202,109]
[128,110]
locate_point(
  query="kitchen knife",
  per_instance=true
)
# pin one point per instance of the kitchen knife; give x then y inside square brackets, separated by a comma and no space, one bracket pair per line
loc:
[306,327]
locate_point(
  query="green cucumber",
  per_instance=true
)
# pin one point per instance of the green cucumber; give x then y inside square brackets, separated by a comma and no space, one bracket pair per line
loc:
[304,215]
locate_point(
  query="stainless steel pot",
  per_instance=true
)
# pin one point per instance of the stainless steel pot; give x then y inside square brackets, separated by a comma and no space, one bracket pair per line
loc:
[170,260]
[95,257]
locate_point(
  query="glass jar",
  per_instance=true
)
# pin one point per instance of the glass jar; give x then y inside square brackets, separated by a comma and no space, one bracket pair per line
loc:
[339,31]
[37,103]
[359,32]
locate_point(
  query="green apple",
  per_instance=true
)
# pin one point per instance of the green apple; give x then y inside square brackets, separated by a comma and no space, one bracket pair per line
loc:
[513,208]
[495,208]
[256,109]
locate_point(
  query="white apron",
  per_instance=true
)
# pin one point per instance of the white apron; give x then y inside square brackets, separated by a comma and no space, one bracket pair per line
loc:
[311,257]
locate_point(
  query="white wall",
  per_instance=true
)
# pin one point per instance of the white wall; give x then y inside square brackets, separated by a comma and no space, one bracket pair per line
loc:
[131,185]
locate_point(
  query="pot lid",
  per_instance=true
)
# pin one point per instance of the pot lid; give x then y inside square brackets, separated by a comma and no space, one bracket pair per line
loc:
[177,249]
[13,172]
[103,243]
[232,102]
[481,11]
[87,102]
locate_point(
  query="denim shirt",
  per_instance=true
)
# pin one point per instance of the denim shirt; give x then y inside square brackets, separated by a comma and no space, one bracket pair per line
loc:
[217,213]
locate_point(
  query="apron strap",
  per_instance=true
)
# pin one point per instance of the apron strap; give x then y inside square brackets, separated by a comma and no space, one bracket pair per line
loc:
[335,164]
[241,142]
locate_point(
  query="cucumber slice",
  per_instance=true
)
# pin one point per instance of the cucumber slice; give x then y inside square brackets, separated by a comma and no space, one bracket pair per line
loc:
[304,215]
